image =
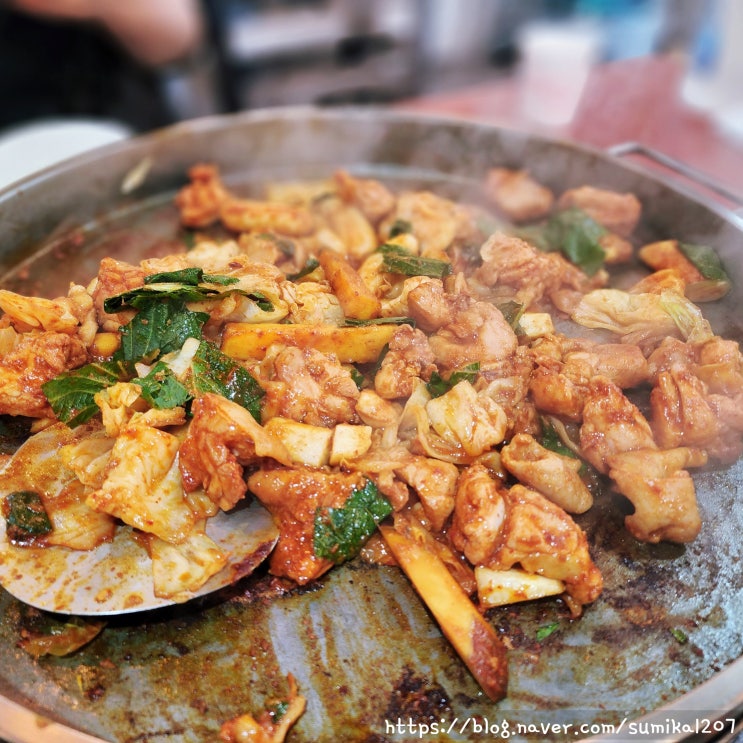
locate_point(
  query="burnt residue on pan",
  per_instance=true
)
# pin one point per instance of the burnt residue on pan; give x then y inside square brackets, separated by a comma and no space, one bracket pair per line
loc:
[363,649]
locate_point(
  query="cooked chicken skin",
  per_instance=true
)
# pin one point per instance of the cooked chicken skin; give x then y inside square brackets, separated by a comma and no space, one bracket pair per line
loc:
[222,438]
[374,199]
[479,514]
[618,212]
[500,527]
[248,215]
[429,304]
[565,366]
[543,539]
[307,386]
[696,397]
[478,334]
[681,413]
[37,357]
[611,424]
[553,475]
[661,491]
[408,360]
[435,483]
[518,195]
[512,263]
[292,496]
[201,200]
[115,277]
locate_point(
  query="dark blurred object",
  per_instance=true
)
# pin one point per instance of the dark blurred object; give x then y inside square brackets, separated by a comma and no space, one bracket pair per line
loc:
[59,67]
[54,69]
[284,52]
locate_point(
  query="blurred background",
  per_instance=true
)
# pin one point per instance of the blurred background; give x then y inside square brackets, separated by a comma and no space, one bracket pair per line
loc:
[133,66]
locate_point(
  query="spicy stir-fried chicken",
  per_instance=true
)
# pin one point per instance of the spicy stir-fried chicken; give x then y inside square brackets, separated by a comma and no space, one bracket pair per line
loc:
[350,355]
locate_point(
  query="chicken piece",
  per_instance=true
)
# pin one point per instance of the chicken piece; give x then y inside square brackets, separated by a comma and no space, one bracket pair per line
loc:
[37,357]
[540,537]
[697,395]
[375,411]
[430,305]
[312,303]
[661,491]
[508,386]
[479,333]
[529,274]
[557,388]
[114,277]
[372,197]
[380,466]
[61,315]
[551,474]
[564,367]
[166,263]
[435,221]
[269,727]
[556,393]
[518,195]
[681,415]
[479,514]
[409,359]
[293,496]
[396,305]
[435,484]
[221,439]
[143,485]
[618,212]
[622,363]
[212,255]
[349,223]
[297,192]
[251,215]
[719,364]
[201,200]
[611,424]
[716,361]
[728,411]
[307,386]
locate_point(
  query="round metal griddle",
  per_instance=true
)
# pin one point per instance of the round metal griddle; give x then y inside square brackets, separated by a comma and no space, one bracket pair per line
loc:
[362,647]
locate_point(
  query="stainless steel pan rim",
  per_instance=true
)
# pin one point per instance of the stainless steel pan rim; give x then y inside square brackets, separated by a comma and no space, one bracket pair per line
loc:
[33,208]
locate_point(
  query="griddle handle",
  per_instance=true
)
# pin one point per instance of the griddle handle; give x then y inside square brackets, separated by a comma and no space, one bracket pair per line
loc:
[697,176]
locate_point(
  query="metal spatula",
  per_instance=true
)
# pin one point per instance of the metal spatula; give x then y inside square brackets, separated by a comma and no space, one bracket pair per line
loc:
[116,576]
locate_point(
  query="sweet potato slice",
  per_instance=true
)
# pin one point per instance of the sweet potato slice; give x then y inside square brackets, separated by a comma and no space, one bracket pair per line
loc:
[355,297]
[472,636]
[352,345]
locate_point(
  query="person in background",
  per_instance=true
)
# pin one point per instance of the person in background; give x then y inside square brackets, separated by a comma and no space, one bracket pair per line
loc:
[93,58]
